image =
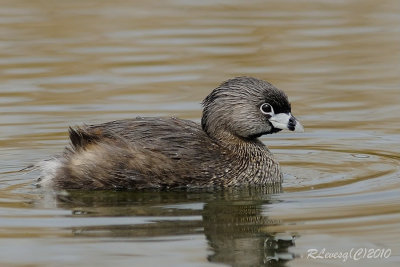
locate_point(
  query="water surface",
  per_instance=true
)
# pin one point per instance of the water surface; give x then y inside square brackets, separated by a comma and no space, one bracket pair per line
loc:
[68,62]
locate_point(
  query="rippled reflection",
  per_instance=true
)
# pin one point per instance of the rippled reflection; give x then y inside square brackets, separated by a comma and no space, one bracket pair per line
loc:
[231,220]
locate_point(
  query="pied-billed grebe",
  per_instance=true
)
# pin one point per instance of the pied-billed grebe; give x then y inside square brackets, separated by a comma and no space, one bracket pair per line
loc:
[169,152]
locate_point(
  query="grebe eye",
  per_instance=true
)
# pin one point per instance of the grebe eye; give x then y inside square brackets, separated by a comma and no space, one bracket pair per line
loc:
[267,109]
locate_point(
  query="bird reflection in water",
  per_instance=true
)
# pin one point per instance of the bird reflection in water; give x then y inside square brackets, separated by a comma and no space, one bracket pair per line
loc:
[234,221]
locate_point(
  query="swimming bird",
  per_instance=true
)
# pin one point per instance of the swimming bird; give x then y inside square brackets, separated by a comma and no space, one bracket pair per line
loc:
[162,153]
